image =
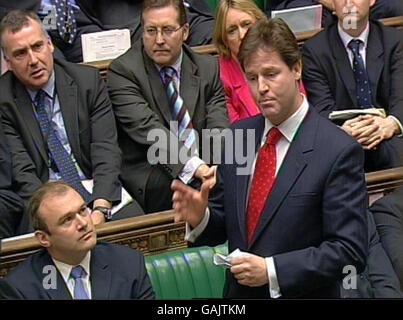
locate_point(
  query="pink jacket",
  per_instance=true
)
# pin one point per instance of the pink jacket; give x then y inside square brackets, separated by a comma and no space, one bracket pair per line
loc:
[240,103]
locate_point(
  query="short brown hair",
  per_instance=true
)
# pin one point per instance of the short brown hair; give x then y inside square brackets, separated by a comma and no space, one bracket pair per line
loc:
[178,4]
[16,20]
[223,7]
[271,34]
[54,188]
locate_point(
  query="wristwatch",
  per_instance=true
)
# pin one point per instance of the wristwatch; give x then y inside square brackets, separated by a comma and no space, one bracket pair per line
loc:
[106,212]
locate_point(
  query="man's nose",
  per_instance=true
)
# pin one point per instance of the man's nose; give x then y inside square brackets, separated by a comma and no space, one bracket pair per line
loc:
[32,57]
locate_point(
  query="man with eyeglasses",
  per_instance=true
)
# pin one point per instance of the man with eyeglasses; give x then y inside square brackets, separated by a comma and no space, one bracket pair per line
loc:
[71,264]
[58,121]
[161,86]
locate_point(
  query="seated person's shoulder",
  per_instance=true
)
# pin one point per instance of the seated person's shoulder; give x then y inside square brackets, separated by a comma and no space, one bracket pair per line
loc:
[117,252]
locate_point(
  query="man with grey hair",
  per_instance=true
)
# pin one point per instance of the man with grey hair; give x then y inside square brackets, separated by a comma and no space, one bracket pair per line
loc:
[58,120]
[72,265]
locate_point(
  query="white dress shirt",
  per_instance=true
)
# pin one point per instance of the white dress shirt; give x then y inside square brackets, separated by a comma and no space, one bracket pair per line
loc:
[65,270]
[288,129]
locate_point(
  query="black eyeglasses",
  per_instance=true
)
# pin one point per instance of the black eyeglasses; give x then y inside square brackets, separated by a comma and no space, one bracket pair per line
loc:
[166,32]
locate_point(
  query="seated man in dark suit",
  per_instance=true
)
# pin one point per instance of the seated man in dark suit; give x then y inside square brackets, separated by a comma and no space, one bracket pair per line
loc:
[71,264]
[388,215]
[11,206]
[58,120]
[379,279]
[298,212]
[356,63]
[88,16]
[161,86]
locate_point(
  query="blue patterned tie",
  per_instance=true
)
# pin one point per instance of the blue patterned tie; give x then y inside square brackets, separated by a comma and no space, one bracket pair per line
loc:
[178,109]
[59,154]
[66,23]
[78,273]
[363,87]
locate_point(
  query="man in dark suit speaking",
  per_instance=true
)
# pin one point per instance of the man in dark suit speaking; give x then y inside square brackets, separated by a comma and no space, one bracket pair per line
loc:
[58,119]
[72,265]
[159,84]
[357,63]
[299,214]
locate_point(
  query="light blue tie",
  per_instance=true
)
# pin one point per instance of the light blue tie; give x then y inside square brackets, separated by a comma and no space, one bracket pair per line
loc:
[78,273]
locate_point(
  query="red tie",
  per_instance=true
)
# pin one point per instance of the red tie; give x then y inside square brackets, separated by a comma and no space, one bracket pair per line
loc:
[263,180]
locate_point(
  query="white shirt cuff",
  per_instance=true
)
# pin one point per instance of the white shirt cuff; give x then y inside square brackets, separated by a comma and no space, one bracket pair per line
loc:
[273,283]
[399,125]
[190,168]
[192,234]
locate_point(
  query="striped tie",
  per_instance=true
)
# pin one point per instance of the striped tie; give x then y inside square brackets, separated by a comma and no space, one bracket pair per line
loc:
[178,109]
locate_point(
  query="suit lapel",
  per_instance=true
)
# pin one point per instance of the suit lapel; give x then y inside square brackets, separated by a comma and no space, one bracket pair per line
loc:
[374,62]
[189,84]
[343,64]
[100,274]
[292,167]
[242,181]
[67,94]
[24,104]
[61,292]
[157,89]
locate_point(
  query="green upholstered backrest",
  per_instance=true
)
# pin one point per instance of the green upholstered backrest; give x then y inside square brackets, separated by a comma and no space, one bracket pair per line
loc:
[187,274]
[214,3]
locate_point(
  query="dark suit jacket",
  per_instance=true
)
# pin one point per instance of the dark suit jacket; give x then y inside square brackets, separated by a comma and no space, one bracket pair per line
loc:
[11,206]
[140,104]
[388,215]
[379,279]
[330,84]
[116,273]
[90,127]
[312,225]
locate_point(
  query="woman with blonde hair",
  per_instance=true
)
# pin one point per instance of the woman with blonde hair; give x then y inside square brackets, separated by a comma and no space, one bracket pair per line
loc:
[233,19]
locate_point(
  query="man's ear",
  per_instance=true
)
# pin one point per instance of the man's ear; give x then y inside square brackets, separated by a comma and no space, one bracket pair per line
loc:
[185,32]
[297,69]
[43,238]
[371,3]
[50,44]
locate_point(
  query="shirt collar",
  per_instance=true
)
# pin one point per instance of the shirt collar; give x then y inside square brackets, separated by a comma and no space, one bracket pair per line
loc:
[49,88]
[65,269]
[177,65]
[346,38]
[289,127]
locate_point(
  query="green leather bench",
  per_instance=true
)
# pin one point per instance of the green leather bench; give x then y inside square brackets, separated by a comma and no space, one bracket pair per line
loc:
[187,274]
[214,3]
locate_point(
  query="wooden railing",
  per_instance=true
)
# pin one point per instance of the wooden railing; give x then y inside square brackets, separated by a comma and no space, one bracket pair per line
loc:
[154,233]
[103,65]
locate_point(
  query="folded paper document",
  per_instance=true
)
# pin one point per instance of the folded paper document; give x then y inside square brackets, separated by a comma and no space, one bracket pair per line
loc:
[225,261]
[352,113]
[105,45]
[302,18]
